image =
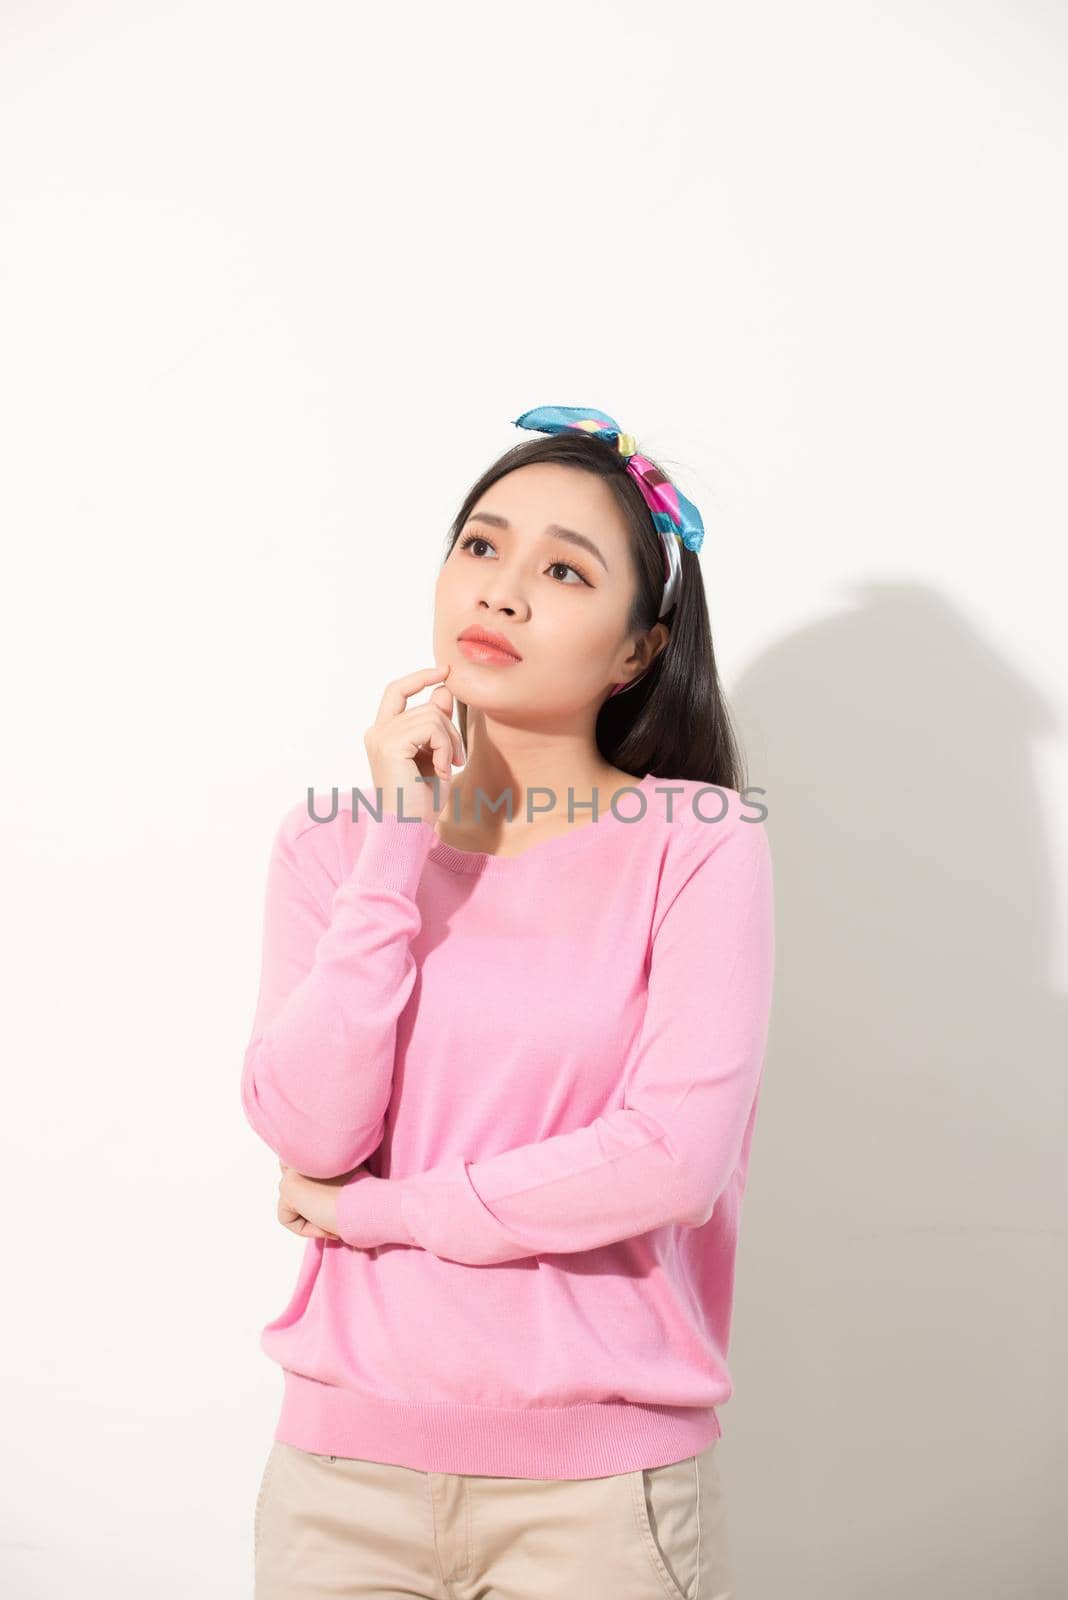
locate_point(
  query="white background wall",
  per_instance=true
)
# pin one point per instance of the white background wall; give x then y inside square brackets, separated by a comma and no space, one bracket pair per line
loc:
[274,280]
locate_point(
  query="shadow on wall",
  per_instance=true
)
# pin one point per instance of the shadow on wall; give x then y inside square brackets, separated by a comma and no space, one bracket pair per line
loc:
[898,1340]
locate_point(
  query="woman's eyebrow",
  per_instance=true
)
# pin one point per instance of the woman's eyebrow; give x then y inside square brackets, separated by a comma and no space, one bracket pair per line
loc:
[554,528]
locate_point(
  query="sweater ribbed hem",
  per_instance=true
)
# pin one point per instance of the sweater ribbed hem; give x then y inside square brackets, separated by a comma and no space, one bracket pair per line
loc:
[579,1441]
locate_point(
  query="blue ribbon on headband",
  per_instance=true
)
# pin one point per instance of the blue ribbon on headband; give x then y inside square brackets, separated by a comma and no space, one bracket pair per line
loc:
[675,518]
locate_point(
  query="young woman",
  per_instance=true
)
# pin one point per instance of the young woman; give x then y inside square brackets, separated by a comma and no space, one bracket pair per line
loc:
[508,1047]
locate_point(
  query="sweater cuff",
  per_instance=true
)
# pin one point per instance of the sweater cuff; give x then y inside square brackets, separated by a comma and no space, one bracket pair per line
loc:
[392,853]
[368,1212]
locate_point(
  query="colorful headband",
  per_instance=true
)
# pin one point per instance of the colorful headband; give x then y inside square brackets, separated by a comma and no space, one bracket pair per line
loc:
[676,519]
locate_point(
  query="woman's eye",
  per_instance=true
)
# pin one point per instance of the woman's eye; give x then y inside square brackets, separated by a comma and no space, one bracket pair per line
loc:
[567,567]
[471,539]
[474,538]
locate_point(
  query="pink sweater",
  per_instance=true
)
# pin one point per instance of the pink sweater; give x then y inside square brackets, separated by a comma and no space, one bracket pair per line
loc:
[550,1064]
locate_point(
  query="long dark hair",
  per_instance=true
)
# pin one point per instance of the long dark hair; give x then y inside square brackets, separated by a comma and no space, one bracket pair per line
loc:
[674,722]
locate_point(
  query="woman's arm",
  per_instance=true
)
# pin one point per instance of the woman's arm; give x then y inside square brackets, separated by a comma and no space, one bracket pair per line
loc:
[667,1154]
[337,971]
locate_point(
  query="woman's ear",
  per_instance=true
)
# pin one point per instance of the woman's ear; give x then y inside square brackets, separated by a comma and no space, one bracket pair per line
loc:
[660,634]
[650,646]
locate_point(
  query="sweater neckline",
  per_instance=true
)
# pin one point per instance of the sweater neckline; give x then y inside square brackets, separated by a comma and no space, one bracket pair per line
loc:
[456,860]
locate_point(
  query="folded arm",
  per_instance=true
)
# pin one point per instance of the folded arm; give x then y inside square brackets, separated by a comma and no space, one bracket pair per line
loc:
[668,1152]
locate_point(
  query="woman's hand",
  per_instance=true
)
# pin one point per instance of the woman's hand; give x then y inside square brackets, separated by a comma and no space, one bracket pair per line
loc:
[406,743]
[308,1206]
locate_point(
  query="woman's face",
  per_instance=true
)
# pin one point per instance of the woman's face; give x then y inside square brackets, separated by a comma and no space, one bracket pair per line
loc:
[560,604]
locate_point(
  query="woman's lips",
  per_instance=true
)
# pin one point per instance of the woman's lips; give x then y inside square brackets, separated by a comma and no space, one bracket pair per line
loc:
[487,654]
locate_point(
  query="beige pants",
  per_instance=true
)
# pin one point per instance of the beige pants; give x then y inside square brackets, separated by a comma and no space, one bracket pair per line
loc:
[339,1527]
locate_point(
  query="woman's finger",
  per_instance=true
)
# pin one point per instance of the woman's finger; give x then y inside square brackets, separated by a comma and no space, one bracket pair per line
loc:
[400,691]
